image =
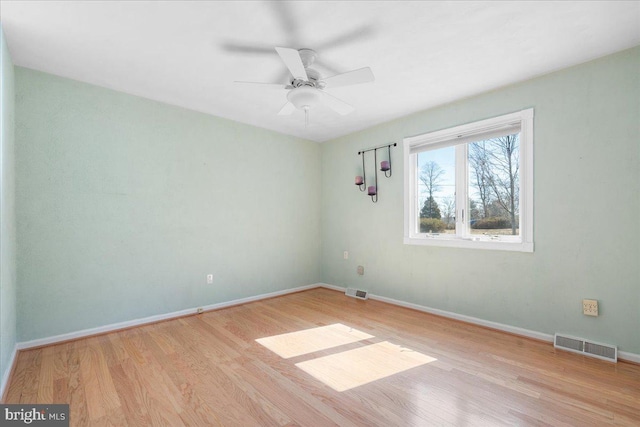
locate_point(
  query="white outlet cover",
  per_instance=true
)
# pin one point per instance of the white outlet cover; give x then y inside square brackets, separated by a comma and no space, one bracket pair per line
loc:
[590,307]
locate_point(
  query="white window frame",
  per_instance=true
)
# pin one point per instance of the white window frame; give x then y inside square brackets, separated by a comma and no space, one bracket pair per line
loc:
[460,136]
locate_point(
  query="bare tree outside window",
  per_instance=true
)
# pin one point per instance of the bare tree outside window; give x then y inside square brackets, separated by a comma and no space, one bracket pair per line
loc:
[480,175]
[494,169]
[449,211]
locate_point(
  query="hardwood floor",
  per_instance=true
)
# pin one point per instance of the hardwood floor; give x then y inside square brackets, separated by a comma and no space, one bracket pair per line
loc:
[365,363]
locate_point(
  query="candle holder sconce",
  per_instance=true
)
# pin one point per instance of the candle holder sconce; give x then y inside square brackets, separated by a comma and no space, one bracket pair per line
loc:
[361,181]
[385,166]
[373,192]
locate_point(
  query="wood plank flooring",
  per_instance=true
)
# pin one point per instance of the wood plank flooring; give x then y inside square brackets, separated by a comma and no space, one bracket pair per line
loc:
[381,365]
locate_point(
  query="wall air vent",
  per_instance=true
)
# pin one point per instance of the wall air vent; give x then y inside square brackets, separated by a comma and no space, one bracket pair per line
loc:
[357,293]
[586,347]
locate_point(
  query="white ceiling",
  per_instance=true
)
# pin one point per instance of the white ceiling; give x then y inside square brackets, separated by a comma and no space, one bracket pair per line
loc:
[423,54]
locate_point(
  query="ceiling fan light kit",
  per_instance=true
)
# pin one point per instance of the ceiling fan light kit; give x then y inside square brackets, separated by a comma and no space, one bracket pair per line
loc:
[306,86]
[304,98]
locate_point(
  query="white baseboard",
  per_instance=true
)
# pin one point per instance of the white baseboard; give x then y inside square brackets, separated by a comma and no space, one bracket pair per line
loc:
[7,373]
[630,357]
[152,319]
[622,355]
[334,287]
[258,297]
[469,319]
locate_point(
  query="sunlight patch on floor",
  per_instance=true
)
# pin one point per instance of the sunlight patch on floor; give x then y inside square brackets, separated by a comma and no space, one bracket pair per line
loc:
[353,368]
[311,340]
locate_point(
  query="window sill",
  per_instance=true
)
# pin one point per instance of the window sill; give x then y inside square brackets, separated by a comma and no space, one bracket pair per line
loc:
[470,244]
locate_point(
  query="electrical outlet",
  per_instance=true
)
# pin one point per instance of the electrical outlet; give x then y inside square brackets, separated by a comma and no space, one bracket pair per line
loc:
[590,307]
[345,255]
[360,270]
[209,279]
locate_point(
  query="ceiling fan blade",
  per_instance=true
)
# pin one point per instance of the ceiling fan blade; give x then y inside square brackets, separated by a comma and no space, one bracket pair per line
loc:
[266,85]
[351,36]
[284,76]
[337,105]
[362,75]
[289,22]
[292,60]
[287,109]
[244,48]
[329,66]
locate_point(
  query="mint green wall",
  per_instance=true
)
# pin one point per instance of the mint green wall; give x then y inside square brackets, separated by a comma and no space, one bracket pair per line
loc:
[125,204]
[587,210]
[7,212]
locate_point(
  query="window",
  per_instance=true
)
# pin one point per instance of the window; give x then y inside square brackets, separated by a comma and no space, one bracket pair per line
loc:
[472,185]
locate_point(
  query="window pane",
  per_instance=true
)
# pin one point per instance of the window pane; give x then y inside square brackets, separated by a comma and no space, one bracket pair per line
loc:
[494,186]
[436,191]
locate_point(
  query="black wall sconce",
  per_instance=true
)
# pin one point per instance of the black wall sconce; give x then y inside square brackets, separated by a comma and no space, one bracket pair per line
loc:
[385,166]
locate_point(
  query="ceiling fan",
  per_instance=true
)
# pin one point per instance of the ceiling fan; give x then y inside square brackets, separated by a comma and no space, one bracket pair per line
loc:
[306,88]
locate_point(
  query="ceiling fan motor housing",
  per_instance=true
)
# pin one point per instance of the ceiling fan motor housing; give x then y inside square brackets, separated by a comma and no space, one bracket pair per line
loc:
[314,80]
[307,56]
